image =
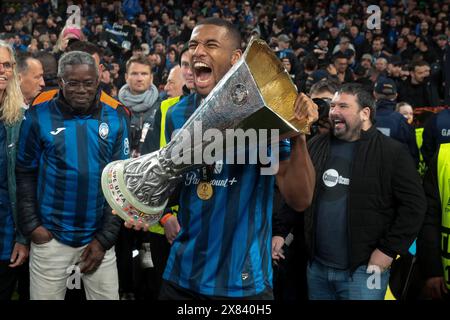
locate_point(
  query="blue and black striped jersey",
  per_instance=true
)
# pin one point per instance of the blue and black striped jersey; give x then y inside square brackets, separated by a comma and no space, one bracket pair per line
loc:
[224,246]
[6,219]
[69,153]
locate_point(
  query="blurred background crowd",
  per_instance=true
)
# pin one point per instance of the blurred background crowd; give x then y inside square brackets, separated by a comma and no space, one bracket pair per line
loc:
[400,53]
[315,39]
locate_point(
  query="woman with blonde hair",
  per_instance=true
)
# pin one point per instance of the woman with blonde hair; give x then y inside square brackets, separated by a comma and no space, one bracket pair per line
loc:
[13,246]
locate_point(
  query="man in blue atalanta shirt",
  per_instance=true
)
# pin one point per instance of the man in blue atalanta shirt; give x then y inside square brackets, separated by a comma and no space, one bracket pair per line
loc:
[64,145]
[223,249]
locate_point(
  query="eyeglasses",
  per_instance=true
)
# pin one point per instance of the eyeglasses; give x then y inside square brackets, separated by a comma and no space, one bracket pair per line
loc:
[90,84]
[8,65]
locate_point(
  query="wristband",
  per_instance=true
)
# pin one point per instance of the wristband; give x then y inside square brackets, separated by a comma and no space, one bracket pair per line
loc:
[164,219]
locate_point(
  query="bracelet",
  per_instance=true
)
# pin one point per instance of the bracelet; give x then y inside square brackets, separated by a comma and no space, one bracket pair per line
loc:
[164,219]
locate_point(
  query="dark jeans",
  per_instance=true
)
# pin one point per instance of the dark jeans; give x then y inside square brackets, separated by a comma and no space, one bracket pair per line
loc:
[8,279]
[172,291]
[326,283]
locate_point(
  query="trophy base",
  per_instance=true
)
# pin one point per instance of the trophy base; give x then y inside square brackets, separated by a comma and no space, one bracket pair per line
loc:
[113,186]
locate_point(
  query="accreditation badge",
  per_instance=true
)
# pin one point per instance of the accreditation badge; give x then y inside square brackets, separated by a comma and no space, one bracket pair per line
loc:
[205,190]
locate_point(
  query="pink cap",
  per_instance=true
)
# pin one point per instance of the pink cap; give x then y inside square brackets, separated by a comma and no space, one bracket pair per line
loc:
[75,31]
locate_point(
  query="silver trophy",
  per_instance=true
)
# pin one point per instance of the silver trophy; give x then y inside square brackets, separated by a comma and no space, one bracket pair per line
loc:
[256,93]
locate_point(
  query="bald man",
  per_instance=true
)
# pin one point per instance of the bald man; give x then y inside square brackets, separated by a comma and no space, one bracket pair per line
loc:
[175,83]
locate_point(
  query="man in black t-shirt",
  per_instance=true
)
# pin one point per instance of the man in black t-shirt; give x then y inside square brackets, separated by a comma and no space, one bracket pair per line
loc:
[368,204]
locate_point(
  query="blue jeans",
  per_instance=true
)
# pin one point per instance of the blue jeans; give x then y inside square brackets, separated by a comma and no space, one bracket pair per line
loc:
[325,283]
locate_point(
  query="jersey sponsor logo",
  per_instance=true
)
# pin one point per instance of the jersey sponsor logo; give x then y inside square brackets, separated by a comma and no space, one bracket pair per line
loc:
[126,147]
[445,132]
[192,179]
[245,276]
[103,130]
[57,131]
[331,178]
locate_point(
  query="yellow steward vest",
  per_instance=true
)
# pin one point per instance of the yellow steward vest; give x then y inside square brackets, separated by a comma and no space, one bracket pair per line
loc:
[444,192]
[165,106]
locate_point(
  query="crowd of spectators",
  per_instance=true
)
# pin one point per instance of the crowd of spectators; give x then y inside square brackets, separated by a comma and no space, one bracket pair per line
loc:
[398,50]
[314,39]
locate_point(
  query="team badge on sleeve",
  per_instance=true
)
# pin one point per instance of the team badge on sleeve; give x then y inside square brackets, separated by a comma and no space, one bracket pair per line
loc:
[103,130]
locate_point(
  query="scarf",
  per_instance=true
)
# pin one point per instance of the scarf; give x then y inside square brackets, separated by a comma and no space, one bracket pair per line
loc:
[138,102]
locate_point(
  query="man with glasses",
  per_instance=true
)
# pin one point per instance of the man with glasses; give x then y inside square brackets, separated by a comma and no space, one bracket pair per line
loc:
[64,145]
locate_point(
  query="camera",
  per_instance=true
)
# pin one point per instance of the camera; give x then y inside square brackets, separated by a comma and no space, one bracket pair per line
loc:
[323,106]
[323,110]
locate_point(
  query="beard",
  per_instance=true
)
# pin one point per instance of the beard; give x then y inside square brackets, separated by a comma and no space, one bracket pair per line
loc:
[348,133]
